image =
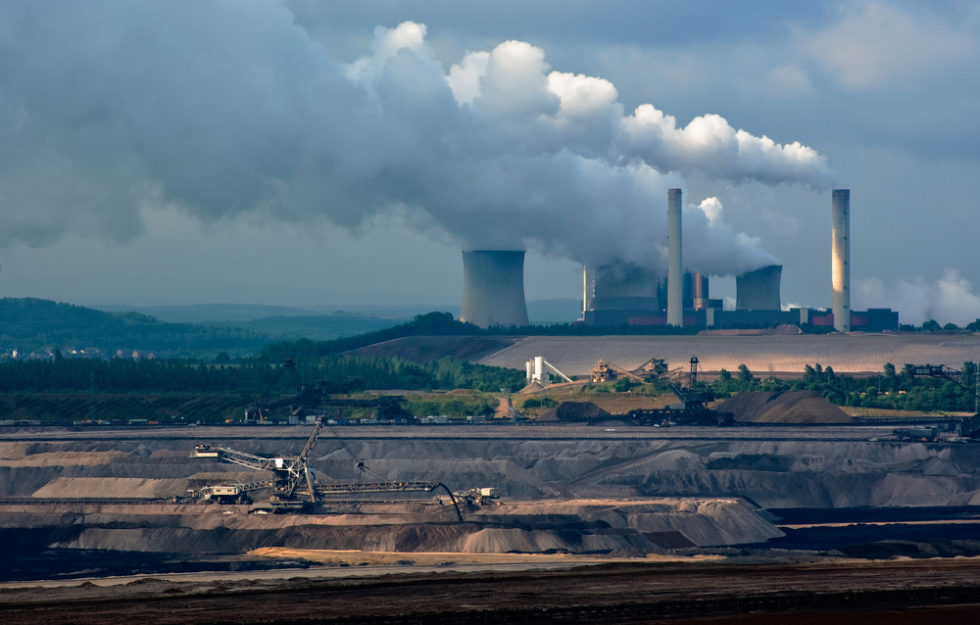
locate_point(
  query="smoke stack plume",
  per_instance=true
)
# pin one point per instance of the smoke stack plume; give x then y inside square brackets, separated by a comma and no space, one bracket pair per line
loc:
[675,260]
[840,269]
[495,149]
[493,288]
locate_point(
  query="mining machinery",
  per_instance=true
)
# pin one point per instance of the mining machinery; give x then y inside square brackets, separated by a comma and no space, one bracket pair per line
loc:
[695,410]
[292,484]
[970,426]
[652,369]
[294,488]
[315,397]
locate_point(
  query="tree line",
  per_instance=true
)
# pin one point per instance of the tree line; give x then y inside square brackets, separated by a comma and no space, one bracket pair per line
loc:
[123,375]
[890,389]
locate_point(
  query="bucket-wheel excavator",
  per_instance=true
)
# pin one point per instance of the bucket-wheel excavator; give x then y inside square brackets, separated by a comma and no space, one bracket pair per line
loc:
[294,488]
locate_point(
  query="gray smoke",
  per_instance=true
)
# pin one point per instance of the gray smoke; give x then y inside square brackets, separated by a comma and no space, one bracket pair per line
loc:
[110,109]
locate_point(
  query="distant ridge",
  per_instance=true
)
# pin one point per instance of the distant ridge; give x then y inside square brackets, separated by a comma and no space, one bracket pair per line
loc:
[38,327]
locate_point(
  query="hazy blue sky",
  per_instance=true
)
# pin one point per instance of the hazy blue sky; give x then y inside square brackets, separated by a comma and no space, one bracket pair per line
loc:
[331,153]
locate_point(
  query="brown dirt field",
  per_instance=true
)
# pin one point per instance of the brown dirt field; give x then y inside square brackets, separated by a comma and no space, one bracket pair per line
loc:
[375,558]
[885,413]
[842,592]
[790,407]
[426,348]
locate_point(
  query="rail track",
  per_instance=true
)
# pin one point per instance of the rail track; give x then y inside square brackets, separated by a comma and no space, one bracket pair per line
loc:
[610,432]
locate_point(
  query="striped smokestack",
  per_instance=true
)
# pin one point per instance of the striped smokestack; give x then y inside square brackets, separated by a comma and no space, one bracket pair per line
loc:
[675,264]
[840,270]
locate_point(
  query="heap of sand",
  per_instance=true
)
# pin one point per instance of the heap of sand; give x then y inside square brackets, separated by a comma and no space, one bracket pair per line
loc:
[790,407]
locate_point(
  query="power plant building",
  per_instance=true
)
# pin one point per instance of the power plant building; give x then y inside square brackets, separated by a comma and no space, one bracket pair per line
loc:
[623,294]
[631,295]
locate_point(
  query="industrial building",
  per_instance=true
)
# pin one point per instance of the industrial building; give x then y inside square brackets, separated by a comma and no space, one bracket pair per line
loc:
[617,296]
[623,294]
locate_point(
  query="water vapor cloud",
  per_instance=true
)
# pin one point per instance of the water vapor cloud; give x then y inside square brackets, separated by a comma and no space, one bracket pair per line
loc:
[223,109]
[950,299]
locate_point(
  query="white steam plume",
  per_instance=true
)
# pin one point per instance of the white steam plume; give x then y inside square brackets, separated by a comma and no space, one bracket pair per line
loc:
[712,247]
[947,300]
[220,108]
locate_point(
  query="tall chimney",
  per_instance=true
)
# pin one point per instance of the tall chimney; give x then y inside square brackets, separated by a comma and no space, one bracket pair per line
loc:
[493,288]
[588,288]
[840,270]
[675,271]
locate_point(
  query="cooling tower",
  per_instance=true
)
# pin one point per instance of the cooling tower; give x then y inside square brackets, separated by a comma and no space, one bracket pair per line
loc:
[759,289]
[840,268]
[675,262]
[493,288]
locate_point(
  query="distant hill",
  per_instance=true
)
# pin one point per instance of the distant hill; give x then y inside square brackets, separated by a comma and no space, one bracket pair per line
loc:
[42,327]
[235,313]
[208,313]
[278,322]
[318,327]
[39,327]
[549,311]
[539,312]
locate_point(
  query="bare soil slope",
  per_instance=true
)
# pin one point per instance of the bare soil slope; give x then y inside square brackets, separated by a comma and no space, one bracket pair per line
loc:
[427,348]
[791,407]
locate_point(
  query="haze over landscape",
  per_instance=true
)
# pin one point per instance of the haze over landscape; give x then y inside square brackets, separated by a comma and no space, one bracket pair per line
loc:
[323,154]
[399,311]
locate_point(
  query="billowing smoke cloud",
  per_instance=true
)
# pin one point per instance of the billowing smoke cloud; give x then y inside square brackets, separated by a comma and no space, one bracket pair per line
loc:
[110,109]
[948,300]
[712,247]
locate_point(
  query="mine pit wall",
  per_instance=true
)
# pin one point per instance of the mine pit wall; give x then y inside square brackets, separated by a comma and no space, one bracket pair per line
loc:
[621,528]
[619,497]
[778,474]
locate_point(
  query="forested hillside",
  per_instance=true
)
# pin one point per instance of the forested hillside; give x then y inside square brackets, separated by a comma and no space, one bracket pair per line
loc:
[42,327]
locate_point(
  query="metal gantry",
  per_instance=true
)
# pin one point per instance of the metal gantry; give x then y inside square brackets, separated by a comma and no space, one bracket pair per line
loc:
[293,486]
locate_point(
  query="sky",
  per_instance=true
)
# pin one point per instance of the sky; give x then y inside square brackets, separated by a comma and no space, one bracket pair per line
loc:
[325,154]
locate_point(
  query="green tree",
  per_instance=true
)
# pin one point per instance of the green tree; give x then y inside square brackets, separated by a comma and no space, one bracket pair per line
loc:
[623,385]
[744,376]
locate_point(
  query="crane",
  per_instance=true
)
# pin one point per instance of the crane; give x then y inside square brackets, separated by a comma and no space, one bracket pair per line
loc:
[293,486]
[291,474]
[695,411]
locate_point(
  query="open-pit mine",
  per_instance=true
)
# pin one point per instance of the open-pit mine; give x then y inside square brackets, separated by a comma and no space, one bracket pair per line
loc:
[86,503]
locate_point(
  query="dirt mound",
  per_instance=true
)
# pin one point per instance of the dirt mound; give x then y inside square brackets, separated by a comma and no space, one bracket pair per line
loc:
[791,407]
[112,488]
[428,348]
[574,411]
